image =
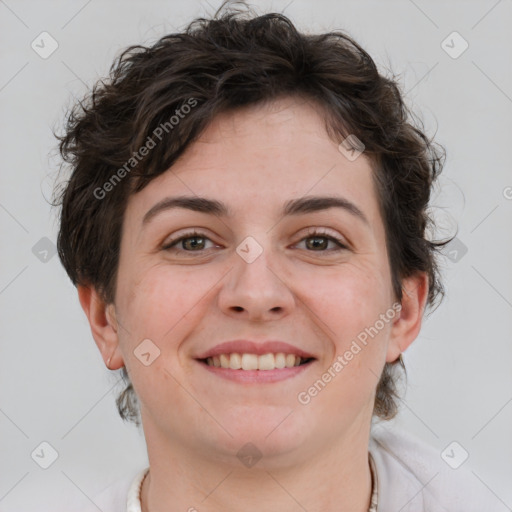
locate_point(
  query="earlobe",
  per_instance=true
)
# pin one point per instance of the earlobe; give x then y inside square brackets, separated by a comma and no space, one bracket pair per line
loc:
[103,324]
[407,326]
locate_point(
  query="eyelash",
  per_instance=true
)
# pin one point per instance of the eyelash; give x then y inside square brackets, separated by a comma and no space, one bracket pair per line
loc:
[311,234]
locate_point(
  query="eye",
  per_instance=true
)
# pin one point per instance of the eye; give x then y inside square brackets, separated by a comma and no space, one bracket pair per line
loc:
[316,241]
[319,242]
[190,242]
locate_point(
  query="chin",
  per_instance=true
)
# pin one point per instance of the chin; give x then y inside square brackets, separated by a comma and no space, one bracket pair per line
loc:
[274,434]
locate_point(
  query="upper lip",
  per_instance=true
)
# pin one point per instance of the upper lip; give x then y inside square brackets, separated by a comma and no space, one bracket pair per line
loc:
[253,347]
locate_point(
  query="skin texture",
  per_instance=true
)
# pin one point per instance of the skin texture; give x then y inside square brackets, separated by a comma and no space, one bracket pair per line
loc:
[313,456]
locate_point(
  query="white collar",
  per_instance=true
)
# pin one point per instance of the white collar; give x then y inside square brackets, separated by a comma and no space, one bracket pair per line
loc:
[133,503]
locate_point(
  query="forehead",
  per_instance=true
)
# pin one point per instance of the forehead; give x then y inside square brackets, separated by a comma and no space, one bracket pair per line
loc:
[263,156]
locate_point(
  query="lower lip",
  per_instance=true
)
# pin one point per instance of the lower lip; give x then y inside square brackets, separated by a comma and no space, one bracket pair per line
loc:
[256,376]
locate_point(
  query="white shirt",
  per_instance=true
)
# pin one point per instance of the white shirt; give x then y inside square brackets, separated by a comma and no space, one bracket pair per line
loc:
[410,475]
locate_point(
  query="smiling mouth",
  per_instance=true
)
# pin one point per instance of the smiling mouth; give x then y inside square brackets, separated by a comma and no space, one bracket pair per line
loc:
[264,362]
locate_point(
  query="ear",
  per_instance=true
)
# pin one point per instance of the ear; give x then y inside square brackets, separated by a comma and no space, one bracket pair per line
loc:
[104,326]
[407,325]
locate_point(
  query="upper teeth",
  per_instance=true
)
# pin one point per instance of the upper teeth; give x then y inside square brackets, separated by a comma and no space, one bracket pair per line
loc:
[255,362]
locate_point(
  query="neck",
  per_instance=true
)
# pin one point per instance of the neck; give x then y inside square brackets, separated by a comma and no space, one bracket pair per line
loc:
[337,478]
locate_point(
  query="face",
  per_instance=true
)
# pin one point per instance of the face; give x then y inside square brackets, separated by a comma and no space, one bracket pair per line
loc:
[268,266]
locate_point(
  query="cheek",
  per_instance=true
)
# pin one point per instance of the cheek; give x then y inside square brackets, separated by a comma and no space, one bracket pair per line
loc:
[158,300]
[160,305]
[347,301]
[349,304]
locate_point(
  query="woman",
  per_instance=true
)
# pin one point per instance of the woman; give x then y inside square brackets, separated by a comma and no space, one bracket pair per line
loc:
[246,226]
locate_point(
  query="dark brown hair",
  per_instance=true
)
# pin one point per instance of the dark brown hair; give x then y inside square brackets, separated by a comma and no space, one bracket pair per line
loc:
[232,60]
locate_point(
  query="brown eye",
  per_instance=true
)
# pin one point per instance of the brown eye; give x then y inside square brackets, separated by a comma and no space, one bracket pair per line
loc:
[189,242]
[319,242]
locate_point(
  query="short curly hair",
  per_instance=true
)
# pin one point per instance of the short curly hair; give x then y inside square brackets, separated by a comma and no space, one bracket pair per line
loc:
[232,60]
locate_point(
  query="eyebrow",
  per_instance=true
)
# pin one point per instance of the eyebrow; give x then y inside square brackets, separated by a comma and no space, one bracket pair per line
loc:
[293,207]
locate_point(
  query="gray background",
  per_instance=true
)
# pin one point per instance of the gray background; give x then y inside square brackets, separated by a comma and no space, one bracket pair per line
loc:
[53,384]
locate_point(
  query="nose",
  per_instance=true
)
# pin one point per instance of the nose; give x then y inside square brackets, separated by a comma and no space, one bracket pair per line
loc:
[256,291]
